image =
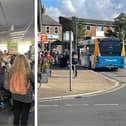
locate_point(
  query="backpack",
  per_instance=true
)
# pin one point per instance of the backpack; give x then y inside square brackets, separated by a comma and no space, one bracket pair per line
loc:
[18,85]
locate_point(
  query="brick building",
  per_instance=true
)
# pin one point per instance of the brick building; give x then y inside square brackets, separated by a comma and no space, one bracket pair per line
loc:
[94,28]
[52,29]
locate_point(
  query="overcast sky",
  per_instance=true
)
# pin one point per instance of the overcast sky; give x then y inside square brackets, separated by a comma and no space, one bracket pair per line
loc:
[91,9]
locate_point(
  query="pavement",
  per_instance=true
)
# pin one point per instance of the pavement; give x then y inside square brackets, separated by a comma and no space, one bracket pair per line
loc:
[86,83]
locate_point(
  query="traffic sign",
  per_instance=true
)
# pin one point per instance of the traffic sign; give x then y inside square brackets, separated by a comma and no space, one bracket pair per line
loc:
[51,36]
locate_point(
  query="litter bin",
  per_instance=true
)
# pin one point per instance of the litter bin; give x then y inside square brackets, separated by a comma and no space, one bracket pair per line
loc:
[43,77]
[48,71]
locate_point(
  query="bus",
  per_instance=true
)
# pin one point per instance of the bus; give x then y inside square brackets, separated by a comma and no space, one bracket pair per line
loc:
[102,53]
[125,58]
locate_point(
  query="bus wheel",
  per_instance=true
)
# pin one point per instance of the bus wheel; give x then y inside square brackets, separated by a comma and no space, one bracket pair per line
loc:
[114,69]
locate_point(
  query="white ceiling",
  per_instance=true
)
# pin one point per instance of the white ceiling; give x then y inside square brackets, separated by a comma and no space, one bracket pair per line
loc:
[19,13]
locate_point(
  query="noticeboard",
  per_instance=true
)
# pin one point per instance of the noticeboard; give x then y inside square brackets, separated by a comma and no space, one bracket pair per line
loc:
[33,43]
[12,47]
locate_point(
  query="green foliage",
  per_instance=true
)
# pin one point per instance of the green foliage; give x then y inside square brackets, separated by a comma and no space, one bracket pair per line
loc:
[81,28]
[78,27]
[111,33]
[120,25]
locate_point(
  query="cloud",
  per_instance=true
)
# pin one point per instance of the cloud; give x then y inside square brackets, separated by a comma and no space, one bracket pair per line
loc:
[68,5]
[93,9]
[54,13]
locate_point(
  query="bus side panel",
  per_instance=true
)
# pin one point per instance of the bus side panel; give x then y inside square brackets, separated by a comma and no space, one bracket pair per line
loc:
[110,61]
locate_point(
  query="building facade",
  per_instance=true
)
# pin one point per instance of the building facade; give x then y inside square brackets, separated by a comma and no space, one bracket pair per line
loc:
[52,29]
[93,28]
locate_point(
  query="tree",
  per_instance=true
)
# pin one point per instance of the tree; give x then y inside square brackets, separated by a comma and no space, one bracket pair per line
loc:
[81,29]
[120,25]
[111,33]
[78,28]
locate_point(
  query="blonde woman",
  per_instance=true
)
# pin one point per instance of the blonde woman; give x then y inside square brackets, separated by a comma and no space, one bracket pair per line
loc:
[22,102]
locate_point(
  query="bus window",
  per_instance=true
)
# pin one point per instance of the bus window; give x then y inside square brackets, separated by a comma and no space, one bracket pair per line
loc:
[110,48]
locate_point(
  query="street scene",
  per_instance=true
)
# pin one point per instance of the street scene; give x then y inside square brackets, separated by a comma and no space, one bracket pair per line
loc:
[99,102]
[81,63]
[16,62]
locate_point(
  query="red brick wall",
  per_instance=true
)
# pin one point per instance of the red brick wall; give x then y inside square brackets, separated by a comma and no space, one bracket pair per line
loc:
[52,31]
[91,32]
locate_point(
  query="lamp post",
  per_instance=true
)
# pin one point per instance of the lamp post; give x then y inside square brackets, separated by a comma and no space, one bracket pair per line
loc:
[76,35]
[70,39]
[68,36]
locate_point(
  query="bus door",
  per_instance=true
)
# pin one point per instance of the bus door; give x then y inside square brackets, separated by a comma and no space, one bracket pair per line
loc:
[86,55]
[90,55]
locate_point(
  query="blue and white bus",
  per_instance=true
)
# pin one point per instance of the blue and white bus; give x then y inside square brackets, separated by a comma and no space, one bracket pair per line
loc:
[102,53]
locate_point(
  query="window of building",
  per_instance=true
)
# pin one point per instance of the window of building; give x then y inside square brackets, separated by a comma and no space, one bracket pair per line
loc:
[56,29]
[47,29]
[99,28]
[88,27]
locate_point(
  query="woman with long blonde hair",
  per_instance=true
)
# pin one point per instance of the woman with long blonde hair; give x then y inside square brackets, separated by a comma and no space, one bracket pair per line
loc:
[20,74]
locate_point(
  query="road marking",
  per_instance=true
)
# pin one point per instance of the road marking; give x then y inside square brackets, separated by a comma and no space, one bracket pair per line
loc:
[106,104]
[68,105]
[85,104]
[77,105]
[48,105]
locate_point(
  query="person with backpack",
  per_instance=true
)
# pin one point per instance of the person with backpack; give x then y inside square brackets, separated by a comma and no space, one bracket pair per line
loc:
[22,88]
[74,63]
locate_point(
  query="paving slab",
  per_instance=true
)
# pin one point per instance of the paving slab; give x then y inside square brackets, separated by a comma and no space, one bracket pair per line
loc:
[87,81]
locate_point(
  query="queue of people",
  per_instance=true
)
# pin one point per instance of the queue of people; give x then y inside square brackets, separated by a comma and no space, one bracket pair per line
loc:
[45,61]
[16,76]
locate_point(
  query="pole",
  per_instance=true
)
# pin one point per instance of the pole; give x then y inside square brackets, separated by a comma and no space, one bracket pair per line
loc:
[43,48]
[50,46]
[70,84]
[76,36]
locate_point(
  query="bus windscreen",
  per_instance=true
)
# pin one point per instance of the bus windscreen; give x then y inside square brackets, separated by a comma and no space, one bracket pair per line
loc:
[110,47]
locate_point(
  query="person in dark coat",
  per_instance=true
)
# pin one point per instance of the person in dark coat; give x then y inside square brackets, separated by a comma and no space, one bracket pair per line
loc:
[74,63]
[1,76]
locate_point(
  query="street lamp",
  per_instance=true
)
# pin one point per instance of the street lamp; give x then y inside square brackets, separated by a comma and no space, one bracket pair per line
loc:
[68,36]
[76,35]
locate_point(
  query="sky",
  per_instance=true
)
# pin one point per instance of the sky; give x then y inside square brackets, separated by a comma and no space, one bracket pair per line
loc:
[89,9]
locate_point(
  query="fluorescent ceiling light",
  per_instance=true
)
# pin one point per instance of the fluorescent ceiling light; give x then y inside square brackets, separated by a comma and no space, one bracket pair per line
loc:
[17,33]
[16,38]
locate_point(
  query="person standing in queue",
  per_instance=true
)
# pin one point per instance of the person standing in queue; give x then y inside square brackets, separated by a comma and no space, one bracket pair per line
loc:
[74,63]
[22,72]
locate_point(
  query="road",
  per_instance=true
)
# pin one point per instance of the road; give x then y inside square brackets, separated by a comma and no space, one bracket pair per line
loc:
[107,109]
[119,75]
